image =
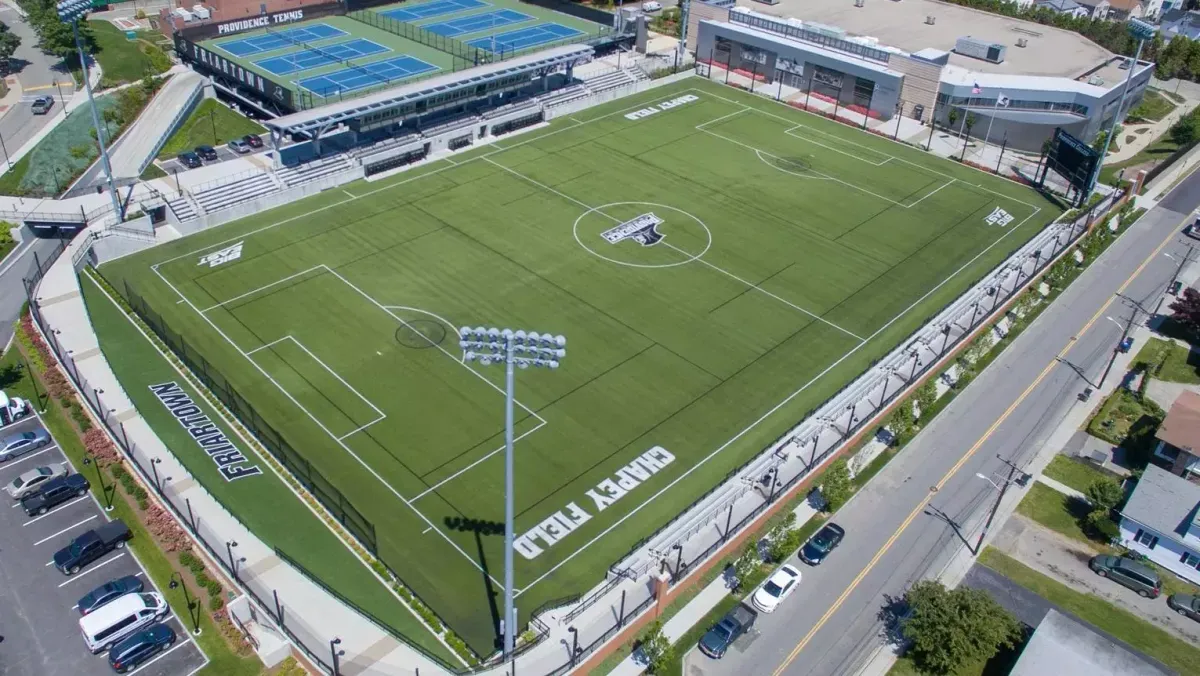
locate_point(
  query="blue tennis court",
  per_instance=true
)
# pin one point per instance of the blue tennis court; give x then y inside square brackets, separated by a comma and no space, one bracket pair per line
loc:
[327,56]
[350,79]
[428,10]
[269,42]
[476,22]
[524,38]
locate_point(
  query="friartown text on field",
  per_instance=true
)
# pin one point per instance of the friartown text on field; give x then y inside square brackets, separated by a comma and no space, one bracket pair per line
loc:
[230,461]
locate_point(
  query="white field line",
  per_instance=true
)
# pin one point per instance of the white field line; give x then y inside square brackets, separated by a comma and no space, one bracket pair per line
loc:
[439,484]
[775,408]
[261,288]
[698,258]
[315,507]
[270,344]
[867,148]
[791,132]
[930,193]
[380,414]
[339,442]
[763,158]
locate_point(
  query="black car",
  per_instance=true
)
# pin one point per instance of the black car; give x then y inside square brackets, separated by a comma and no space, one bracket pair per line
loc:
[55,492]
[91,545]
[128,654]
[736,622]
[818,546]
[109,591]
[253,141]
[190,160]
[206,153]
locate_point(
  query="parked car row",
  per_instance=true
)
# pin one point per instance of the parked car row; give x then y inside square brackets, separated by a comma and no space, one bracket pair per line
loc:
[201,154]
[1144,580]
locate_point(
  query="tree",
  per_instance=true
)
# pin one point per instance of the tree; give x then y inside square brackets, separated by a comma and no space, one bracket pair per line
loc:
[836,485]
[952,627]
[970,122]
[783,538]
[656,648]
[1104,494]
[748,563]
[1185,130]
[952,116]
[9,41]
[1185,311]
[926,396]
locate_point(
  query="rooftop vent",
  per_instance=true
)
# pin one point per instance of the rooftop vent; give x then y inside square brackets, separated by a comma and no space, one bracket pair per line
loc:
[930,20]
[1022,42]
[1096,80]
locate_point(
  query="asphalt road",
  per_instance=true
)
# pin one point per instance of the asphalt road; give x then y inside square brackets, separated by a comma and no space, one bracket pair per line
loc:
[17,265]
[37,73]
[836,620]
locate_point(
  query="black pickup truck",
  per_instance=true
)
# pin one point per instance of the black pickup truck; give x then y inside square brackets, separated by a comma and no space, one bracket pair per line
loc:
[55,492]
[91,546]
[722,634]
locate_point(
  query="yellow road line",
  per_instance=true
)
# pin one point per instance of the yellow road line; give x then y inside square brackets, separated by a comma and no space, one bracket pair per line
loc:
[970,452]
[49,86]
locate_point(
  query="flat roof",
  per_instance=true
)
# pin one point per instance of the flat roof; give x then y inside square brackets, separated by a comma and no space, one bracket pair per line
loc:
[1060,645]
[1050,52]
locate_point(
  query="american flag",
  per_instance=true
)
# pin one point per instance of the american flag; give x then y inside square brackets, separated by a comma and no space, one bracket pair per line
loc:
[976,89]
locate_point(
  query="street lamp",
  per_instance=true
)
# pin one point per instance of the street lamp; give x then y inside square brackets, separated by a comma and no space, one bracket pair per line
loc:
[108,506]
[72,11]
[192,606]
[1140,31]
[511,348]
[154,467]
[229,545]
[335,652]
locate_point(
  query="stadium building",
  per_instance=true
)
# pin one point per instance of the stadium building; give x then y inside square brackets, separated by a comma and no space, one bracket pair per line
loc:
[922,59]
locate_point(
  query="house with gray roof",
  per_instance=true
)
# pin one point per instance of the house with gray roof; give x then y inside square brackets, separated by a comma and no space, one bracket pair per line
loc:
[1160,520]
[1069,7]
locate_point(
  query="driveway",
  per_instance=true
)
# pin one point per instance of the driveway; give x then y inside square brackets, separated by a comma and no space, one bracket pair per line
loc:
[1066,561]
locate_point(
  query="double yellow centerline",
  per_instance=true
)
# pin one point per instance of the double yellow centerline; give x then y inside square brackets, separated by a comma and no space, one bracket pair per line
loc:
[962,461]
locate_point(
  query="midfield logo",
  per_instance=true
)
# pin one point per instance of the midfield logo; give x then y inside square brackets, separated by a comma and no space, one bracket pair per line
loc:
[641,230]
[231,253]
[999,217]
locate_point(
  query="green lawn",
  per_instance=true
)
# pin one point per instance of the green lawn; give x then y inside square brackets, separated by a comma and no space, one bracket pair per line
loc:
[123,60]
[1158,150]
[1129,421]
[264,503]
[212,123]
[1153,107]
[1076,473]
[1122,624]
[1057,512]
[1170,361]
[807,276]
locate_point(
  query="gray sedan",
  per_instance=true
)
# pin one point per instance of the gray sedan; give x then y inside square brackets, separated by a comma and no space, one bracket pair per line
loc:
[19,444]
[1185,604]
[30,481]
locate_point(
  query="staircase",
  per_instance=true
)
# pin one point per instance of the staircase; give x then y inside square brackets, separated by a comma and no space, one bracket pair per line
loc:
[182,208]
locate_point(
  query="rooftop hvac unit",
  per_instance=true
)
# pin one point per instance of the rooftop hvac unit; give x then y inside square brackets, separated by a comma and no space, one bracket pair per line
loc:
[860,3]
[201,12]
[930,20]
[1096,81]
[992,52]
[1022,42]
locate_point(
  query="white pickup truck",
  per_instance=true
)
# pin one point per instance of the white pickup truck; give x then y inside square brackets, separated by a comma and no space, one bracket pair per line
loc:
[12,409]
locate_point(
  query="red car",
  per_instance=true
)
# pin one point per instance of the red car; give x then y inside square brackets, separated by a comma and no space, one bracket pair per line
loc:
[253,141]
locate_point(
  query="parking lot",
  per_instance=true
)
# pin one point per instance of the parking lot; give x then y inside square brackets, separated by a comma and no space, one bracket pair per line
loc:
[224,154]
[39,624]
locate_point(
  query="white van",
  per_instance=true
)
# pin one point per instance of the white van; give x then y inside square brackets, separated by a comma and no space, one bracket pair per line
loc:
[105,627]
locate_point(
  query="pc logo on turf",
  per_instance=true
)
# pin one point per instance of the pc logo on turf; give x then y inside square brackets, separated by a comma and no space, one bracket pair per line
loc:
[230,253]
[641,230]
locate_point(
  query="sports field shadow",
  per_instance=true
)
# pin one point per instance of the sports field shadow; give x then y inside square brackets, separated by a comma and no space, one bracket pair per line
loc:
[483,528]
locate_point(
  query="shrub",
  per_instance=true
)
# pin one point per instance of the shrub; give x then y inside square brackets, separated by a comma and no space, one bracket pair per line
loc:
[216,603]
[457,645]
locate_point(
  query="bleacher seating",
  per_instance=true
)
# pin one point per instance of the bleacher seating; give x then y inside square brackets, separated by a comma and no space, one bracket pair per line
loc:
[311,171]
[385,144]
[233,193]
[182,208]
[563,96]
[509,108]
[457,123]
[614,79]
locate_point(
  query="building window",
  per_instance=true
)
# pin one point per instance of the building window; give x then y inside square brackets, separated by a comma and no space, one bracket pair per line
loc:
[1144,538]
[1190,560]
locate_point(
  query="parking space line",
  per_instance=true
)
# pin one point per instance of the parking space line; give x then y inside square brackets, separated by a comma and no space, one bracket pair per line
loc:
[162,655]
[46,539]
[90,570]
[55,511]
[14,463]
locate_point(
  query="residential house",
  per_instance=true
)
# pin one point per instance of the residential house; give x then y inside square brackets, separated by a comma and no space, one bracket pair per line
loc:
[1097,9]
[1064,7]
[1160,520]
[1178,22]
[1062,645]
[1179,437]
[1123,10]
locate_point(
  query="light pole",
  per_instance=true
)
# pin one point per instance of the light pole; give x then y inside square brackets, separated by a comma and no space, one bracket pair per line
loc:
[108,506]
[72,11]
[522,350]
[1015,476]
[335,653]
[1140,31]
[192,607]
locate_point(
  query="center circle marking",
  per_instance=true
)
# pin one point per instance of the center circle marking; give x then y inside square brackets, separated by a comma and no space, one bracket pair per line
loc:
[693,257]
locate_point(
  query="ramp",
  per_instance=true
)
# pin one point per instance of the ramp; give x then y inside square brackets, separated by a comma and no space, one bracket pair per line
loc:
[142,141]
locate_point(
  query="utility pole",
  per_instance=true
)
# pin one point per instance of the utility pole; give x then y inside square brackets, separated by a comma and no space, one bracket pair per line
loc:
[1013,478]
[1117,350]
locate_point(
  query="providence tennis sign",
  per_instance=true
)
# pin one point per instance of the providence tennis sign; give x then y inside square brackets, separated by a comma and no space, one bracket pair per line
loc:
[230,461]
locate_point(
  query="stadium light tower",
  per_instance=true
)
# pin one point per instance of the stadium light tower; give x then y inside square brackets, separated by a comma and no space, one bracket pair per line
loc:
[520,350]
[1140,31]
[72,11]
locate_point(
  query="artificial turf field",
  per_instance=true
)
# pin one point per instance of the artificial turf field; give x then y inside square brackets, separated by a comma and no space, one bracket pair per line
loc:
[794,252]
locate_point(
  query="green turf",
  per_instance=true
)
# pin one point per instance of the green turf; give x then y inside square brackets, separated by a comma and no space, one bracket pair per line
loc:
[211,123]
[1076,473]
[1153,107]
[1058,512]
[264,503]
[1170,361]
[712,360]
[123,60]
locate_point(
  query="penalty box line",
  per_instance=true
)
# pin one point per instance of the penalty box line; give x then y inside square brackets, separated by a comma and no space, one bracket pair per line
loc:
[340,442]
[380,415]
[698,259]
[775,408]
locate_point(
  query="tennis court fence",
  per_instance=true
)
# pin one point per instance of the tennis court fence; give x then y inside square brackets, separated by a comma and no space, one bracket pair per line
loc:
[455,48]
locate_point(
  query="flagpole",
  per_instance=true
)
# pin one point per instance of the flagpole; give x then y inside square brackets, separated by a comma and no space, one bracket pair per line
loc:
[995,107]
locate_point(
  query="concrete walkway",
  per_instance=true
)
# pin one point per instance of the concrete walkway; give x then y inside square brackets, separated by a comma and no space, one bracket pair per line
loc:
[1061,487]
[1145,134]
